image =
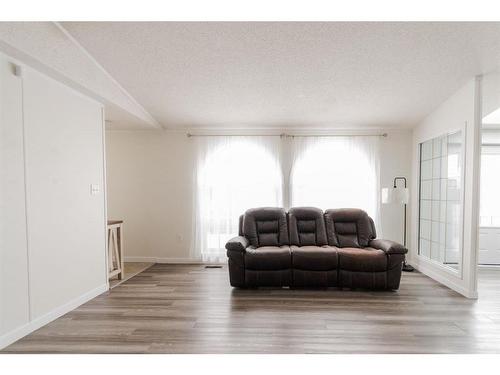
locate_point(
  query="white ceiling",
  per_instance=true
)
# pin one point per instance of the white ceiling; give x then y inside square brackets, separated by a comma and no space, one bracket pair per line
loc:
[281,75]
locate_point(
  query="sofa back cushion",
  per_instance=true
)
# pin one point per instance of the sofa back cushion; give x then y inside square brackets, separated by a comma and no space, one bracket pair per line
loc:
[306,226]
[266,226]
[348,227]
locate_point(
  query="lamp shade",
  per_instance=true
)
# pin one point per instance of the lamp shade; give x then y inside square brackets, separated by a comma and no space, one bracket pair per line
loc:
[397,195]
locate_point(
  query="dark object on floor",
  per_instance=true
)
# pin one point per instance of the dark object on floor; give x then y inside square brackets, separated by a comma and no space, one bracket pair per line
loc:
[407,267]
[308,248]
[213,266]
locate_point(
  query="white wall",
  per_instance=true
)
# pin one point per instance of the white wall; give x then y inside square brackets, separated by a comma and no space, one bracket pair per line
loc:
[458,112]
[150,186]
[14,305]
[53,230]
[395,160]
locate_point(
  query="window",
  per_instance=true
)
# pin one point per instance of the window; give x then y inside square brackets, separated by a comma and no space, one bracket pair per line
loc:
[234,174]
[336,172]
[440,213]
[490,186]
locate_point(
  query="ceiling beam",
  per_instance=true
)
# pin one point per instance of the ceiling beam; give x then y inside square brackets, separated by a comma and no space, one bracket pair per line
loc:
[49,48]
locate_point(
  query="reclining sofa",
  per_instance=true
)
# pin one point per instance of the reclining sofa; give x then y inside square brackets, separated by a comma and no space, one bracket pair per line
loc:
[308,248]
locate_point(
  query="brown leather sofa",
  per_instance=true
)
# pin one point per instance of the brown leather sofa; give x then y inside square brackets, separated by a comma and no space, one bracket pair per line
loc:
[308,248]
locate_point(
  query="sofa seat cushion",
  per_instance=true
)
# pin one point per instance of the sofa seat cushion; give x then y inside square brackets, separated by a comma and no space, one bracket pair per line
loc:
[365,259]
[314,258]
[268,258]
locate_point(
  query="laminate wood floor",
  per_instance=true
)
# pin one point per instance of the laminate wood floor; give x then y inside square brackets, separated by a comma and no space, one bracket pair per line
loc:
[190,309]
[130,270]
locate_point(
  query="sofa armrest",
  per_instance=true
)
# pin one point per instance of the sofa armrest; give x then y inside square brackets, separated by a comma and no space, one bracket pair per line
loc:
[238,243]
[390,247]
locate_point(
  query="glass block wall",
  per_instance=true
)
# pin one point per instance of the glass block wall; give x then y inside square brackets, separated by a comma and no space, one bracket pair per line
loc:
[440,199]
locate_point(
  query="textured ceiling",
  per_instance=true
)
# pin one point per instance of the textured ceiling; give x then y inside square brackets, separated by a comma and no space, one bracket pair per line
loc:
[281,75]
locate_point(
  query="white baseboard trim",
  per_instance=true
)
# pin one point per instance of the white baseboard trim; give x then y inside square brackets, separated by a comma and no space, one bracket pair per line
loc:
[164,260]
[169,260]
[39,322]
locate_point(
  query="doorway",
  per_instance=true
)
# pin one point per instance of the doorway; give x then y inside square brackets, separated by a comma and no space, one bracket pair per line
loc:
[488,254]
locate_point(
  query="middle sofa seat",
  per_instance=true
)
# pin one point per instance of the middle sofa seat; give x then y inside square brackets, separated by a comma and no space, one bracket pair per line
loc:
[314,258]
[314,263]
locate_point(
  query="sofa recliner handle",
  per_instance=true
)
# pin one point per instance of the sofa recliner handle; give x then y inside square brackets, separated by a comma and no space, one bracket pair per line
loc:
[388,246]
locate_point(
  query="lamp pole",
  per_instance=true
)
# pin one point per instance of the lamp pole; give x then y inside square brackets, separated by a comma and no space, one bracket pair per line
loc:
[406,266]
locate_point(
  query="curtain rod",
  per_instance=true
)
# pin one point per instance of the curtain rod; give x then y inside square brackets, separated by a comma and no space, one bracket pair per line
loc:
[284,135]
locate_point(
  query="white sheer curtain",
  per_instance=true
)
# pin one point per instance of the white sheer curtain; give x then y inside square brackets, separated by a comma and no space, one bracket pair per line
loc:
[232,174]
[336,172]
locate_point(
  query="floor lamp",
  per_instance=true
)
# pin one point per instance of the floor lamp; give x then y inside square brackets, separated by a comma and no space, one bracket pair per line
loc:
[399,195]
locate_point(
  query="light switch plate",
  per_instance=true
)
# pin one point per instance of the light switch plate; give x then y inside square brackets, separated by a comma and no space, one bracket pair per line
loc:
[18,70]
[94,189]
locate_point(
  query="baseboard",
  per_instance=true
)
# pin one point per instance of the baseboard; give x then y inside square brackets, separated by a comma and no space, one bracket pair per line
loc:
[39,322]
[164,260]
